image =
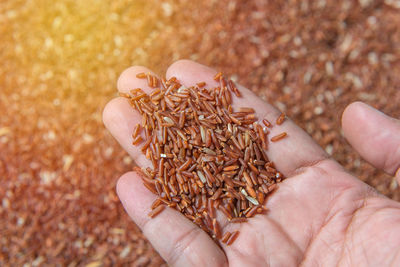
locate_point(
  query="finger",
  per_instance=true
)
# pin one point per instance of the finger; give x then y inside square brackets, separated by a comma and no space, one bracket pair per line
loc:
[128,80]
[120,118]
[374,135]
[290,154]
[179,241]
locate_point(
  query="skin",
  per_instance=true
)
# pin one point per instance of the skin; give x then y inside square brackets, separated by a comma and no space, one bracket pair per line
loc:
[320,216]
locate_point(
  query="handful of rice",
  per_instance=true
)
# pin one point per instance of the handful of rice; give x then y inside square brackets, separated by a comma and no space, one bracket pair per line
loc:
[206,156]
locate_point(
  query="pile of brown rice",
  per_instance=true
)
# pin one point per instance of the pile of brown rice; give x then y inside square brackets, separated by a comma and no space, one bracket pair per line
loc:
[206,156]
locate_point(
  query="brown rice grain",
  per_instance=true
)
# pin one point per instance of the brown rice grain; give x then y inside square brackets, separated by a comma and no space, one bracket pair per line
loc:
[137,140]
[251,212]
[238,220]
[232,238]
[278,137]
[141,75]
[156,211]
[267,123]
[218,76]
[226,236]
[281,119]
[216,228]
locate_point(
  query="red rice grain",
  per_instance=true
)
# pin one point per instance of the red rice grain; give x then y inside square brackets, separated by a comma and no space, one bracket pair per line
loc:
[238,220]
[267,123]
[136,130]
[216,228]
[156,211]
[137,140]
[201,84]
[218,76]
[141,75]
[251,212]
[279,137]
[226,237]
[281,119]
[232,238]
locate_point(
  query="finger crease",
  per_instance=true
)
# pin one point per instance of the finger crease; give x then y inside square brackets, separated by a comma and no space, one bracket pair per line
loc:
[182,244]
[309,165]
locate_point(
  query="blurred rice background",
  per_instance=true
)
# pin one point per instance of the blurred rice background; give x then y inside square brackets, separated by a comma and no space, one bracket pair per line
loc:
[59,62]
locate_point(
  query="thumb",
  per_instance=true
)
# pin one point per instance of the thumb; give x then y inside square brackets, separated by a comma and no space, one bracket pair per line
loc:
[374,135]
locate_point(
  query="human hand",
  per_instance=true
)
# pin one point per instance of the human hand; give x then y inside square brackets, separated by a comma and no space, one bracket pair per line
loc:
[320,215]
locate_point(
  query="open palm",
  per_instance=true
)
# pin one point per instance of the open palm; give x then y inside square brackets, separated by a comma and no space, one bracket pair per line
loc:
[320,215]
